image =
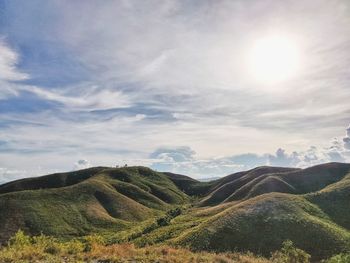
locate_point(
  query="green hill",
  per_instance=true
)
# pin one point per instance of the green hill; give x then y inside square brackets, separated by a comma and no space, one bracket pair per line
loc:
[189,185]
[87,201]
[226,187]
[254,210]
[334,200]
[284,181]
[262,223]
[49,181]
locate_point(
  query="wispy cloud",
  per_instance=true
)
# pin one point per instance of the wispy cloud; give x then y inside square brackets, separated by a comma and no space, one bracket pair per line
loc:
[114,82]
[8,62]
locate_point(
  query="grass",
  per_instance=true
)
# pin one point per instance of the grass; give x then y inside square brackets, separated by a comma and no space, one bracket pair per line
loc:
[334,200]
[22,248]
[135,209]
[50,181]
[264,180]
[261,224]
[109,200]
[234,187]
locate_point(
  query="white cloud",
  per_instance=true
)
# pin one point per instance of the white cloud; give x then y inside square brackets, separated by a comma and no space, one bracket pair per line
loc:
[11,174]
[81,164]
[281,158]
[8,64]
[179,58]
[90,98]
[346,139]
[183,160]
[9,72]
[176,71]
[179,154]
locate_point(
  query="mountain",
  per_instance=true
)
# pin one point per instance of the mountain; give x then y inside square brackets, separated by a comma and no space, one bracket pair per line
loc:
[253,210]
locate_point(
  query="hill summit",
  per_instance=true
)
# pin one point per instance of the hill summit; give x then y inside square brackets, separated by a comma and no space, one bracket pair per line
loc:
[255,210]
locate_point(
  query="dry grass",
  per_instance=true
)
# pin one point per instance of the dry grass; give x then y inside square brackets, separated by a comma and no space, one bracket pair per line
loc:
[23,249]
[128,252]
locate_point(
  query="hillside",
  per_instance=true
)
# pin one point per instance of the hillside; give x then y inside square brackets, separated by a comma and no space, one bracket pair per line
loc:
[86,201]
[262,223]
[227,187]
[254,210]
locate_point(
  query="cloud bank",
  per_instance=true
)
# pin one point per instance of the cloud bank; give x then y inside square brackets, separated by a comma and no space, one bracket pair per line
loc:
[183,159]
[116,82]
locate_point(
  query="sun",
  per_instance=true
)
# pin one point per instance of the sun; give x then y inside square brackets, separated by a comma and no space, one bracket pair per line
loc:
[273,59]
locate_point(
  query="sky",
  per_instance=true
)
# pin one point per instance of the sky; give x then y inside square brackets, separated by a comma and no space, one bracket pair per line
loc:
[167,84]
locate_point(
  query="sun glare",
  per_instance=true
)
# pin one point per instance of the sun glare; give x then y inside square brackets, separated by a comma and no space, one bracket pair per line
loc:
[273,59]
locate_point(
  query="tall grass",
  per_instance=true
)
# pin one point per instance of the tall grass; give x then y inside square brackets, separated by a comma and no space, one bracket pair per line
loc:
[23,248]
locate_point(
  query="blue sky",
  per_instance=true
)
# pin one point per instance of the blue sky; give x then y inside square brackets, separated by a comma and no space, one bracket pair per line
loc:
[164,84]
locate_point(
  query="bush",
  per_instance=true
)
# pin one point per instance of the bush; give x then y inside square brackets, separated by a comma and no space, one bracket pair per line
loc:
[290,254]
[74,247]
[174,212]
[164,221]
[49,244]
[91,241]
[20,240]
[149,228]
[341,258]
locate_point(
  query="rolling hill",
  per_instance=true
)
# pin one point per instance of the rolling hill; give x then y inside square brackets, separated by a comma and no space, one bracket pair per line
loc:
[86,201]
[254,210]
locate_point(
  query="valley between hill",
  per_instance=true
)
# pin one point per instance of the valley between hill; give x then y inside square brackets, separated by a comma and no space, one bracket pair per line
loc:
[255,210]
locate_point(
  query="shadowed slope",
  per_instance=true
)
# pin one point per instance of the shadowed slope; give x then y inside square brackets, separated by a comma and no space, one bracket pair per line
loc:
[107,199]
[251,174]
[227,186]
[129,203]
[189,185]
[317,177]
[270,184]
[296,182]
[262,223]
[50,181]
[335,201]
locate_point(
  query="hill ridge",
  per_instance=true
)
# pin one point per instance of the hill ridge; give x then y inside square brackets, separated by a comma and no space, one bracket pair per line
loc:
[252,210]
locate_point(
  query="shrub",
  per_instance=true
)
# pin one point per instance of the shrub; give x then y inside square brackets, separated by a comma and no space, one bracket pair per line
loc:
[290,254]
[174,212]
[20,240]
[91,241]
[74,247]
[165,220]
[48,244]
[341,258]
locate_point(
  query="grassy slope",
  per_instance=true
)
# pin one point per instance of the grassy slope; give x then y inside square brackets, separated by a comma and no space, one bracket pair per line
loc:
[294,182]
[230,185]
[258,219]
[317,177]
[262,223]
[191,186]
[110,199]
[334,200]
[50,181]
[317,222]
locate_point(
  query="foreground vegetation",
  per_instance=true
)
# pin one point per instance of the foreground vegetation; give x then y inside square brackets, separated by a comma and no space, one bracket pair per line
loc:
[23,248]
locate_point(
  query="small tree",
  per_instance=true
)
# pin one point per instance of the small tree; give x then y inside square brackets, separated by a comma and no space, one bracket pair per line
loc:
[290,254]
